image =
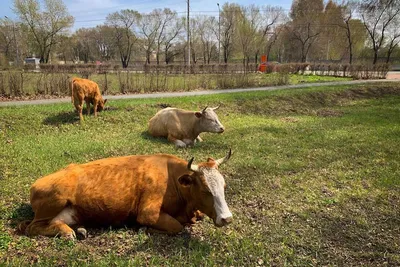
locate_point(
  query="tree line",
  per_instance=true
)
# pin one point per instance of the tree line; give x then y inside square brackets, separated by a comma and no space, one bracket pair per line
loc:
[312,31]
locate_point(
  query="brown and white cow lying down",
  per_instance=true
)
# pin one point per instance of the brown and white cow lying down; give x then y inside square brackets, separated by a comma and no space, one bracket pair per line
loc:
[88,91]
[182,127]
[160,191]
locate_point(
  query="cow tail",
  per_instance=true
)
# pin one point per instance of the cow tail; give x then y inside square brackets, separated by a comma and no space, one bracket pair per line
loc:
[23,225]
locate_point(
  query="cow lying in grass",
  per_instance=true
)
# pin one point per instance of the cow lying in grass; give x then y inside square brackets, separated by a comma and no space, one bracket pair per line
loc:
[88,91]
[182,127]
[160,191]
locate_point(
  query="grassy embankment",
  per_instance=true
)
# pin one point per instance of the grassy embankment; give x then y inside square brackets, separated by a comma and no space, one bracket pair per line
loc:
[314,178]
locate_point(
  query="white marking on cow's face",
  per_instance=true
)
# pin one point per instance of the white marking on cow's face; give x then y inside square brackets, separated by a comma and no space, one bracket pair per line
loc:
[210,122]
[216,185]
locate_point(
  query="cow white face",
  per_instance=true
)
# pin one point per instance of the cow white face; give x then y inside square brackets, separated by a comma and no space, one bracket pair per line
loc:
[208,190]
[215,183]
[209,121]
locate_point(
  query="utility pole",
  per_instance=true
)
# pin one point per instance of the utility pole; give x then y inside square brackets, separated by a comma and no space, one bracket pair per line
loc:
[219,35]
[188,33]
[15,42]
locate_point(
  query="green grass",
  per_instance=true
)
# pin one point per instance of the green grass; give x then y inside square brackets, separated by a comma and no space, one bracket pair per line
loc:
[314,178]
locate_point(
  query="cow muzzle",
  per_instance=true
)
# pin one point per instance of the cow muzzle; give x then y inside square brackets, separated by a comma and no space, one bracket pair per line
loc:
[221,130]
[220,222]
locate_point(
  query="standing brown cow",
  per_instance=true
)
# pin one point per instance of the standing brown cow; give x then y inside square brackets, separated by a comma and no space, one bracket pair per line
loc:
[161,191]
[88,91]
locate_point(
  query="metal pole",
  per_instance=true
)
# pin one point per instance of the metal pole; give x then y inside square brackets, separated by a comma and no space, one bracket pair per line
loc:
[219,35]
[188,33]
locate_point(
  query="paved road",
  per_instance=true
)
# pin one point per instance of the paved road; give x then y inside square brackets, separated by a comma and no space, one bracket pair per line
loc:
[194,93]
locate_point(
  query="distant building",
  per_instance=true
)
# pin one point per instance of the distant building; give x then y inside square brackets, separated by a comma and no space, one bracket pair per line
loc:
[32,60]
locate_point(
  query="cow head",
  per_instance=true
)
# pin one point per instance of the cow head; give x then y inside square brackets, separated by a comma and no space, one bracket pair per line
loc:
[101,104]
[207,187]
[209,121]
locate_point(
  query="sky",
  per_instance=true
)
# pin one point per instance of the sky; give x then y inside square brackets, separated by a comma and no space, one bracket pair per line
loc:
[89,13]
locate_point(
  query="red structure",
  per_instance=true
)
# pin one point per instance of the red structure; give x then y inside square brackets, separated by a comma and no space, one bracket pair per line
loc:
[263,66]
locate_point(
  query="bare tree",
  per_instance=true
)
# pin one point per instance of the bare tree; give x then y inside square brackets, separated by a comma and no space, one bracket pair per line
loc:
[44,26]
[168,18]
[123,23]
[228,24]
[271,16]
[149,27]
[84,44]
[393,40]
[7,42]
[305,25]
[105,44]
[348,10]
[306,36]
[377,16]
[172,33]
[204,38]
[248,25]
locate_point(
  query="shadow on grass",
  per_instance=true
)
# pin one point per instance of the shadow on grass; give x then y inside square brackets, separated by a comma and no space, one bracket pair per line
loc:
[22,212]
[161,140]
[170,246]
[67,117]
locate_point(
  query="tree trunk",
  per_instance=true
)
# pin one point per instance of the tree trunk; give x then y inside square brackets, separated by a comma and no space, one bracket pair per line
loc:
[389,53]
[351,54]
[375,56]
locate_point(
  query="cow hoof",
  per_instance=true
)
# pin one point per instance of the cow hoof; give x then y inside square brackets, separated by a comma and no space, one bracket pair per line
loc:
[70,236]
[180,144]
[82,233]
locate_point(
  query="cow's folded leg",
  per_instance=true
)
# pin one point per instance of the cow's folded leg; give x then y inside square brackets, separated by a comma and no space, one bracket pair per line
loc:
[188,142]
[50,228]
[177,142]
[164,224]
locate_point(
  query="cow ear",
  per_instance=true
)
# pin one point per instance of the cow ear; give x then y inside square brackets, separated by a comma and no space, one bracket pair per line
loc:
[185,180]
[198,114]
[210,159]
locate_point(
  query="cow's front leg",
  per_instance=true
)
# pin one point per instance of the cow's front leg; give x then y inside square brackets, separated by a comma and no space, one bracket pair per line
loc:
[79,107]
[177,142]
[161,222]
[95,104]
[88,107]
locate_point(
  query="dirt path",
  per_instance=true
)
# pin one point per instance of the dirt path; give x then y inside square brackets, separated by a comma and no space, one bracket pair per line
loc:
[396,78]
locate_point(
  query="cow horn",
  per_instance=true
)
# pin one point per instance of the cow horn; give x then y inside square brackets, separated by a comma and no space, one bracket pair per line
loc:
[224,159]
[192,167]
[216,107]
[204,110]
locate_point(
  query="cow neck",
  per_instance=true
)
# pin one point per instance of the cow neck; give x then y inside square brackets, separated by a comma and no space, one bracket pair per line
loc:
[196,129]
